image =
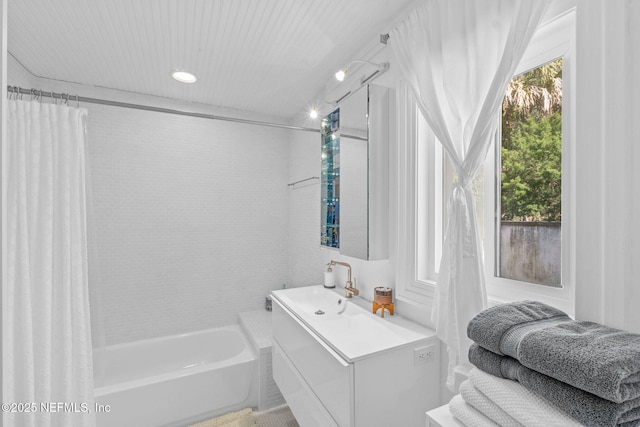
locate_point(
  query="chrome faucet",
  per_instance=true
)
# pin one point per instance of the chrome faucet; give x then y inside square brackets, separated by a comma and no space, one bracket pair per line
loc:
[350,287]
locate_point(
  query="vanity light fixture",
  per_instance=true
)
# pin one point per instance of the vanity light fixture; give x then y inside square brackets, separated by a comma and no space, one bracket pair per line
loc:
[183,76]
[380,68]
[341,74]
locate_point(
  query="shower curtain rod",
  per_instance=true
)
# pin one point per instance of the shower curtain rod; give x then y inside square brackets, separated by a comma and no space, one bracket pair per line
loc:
[69,98]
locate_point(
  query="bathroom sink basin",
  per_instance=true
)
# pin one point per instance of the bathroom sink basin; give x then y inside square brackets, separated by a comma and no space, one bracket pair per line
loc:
[346,324]
[319,301]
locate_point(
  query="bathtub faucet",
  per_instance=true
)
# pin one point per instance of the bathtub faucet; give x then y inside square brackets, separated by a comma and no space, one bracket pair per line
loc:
[350,287]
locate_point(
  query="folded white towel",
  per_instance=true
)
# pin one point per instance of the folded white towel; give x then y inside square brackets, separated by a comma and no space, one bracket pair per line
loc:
[474,397]
[521,404]
[467,415]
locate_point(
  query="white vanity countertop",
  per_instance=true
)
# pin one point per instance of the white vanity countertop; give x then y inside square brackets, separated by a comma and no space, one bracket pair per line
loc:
[347,324]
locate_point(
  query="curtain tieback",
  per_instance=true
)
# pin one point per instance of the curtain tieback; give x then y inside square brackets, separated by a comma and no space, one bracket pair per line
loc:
[460,210]
[462,180]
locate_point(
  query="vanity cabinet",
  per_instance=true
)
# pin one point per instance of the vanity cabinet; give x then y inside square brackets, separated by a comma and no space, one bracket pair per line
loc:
[326,388]
[328,376]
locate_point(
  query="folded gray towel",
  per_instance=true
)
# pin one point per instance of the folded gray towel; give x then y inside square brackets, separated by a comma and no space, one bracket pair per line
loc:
[595,358]
[580,405]
[490,326]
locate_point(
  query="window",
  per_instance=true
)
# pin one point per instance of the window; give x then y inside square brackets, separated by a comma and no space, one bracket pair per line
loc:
[529,188]
[434,174]
[419,214]
[425,177]
[520,204]
[435,178]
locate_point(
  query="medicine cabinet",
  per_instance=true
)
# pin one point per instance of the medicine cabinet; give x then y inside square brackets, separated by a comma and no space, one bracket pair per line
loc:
[355,175]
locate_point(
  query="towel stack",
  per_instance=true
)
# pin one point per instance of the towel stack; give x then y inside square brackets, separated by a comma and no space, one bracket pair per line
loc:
[537,367]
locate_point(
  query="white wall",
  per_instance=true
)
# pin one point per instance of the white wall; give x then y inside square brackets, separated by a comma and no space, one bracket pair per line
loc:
[189,223]
[191,219]
[305,265]
[608,176]
[17,75]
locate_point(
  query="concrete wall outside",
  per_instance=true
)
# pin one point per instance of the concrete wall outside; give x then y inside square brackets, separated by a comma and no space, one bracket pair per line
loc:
[531,252]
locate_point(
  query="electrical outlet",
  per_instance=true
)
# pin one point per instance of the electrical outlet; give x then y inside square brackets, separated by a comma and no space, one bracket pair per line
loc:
[423,354]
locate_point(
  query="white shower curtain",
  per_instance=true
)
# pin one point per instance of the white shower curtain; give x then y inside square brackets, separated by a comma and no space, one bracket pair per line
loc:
[458,57]
[48,354]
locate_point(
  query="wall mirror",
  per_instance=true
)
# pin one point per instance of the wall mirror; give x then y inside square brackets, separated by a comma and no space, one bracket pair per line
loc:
[355,175]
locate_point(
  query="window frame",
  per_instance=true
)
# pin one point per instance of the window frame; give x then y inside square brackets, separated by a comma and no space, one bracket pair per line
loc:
[554,39]
[409,288]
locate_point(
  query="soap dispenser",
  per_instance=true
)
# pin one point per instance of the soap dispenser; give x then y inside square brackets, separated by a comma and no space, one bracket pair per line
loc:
[329,277]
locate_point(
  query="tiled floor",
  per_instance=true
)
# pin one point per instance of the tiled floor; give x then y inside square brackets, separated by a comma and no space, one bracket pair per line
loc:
[243,418]
[280,416]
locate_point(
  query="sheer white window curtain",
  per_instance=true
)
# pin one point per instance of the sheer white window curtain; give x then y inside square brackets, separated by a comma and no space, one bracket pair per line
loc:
[458,57]
[48,355]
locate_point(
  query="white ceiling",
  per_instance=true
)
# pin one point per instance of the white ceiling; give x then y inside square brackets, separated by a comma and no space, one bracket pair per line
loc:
[268,56]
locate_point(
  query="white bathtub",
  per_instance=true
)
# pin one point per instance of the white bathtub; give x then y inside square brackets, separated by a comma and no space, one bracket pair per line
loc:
[171,381]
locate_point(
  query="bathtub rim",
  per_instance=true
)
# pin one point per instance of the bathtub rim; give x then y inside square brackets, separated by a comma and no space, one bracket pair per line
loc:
[247,355]
[165,337]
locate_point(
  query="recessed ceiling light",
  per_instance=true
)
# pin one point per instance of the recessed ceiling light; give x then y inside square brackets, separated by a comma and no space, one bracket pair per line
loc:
[183,76]
[313,113]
